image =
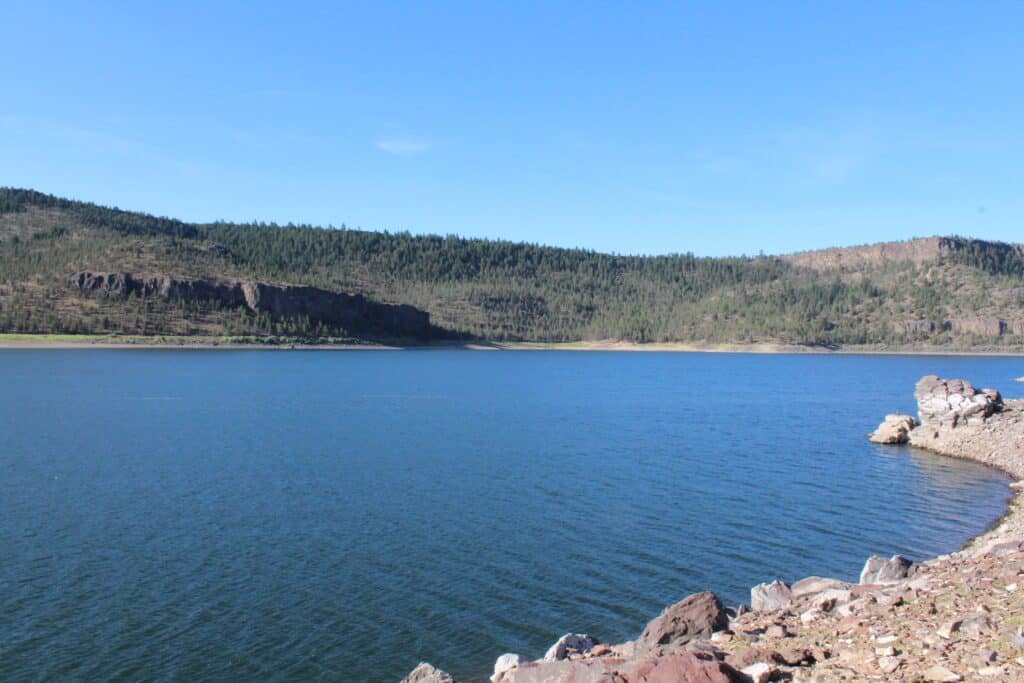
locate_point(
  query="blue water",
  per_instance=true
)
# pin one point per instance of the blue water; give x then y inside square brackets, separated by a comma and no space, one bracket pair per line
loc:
[226,515]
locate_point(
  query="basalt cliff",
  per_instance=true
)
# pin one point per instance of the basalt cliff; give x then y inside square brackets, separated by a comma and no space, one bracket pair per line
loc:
[352,312]
[959,617]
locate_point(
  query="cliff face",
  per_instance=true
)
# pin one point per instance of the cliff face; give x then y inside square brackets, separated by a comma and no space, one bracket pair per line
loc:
[924,250]
[351,311]
[921,251]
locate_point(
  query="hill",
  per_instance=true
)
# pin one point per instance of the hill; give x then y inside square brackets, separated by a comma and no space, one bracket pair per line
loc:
[946,292]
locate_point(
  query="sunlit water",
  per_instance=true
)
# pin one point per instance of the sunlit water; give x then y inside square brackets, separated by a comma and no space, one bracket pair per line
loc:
[228,515]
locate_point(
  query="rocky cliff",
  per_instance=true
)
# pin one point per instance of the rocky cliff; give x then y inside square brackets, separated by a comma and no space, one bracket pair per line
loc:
[336,309]
[921,251]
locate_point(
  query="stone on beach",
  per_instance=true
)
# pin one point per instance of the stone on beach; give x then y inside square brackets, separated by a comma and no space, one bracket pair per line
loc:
[894,429]
[570,643]
[507,662]
[767,597]
[697,616]
[880,570]
[813,585]
[689,667]
[426,673]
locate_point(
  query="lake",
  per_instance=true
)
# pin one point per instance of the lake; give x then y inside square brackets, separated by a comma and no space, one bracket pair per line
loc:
[343,515]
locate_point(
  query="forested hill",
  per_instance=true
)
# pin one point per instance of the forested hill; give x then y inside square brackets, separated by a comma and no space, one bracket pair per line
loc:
[947,291]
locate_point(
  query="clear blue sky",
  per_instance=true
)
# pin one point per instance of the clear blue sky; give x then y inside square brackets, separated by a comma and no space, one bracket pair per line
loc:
[717,128]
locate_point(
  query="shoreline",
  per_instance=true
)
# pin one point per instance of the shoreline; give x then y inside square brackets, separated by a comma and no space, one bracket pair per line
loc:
[68,342]
[953,617]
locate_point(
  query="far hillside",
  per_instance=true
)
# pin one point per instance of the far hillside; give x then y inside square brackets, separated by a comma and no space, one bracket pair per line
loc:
[947,292]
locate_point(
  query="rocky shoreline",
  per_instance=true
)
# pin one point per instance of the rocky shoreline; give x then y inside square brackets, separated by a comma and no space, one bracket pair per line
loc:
[957,617]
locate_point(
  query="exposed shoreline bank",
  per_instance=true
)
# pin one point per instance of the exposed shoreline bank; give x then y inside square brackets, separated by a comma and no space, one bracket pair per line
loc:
[951,618]
[63,342]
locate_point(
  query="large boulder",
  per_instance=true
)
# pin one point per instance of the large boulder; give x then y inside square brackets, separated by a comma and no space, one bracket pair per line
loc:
[895,429]
[768,597]
[570,643]
[954,402]
[425,673]
[814,585]
[507,662]
[697,616]
[880,570]
[685,667]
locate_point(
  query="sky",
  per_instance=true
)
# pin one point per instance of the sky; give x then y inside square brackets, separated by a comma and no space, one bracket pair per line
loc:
[714,128]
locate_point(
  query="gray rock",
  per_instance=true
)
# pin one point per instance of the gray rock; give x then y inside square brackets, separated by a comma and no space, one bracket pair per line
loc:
[425,673]
[954,402]
[894,429]
[570,643]
[817,584]
[768,597]
[880,570]
[507,662]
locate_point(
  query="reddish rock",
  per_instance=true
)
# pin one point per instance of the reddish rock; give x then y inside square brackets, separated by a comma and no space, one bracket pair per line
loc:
[676,668]
[697,616]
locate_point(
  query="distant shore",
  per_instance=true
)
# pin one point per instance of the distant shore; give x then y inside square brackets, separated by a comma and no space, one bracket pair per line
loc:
[94,341]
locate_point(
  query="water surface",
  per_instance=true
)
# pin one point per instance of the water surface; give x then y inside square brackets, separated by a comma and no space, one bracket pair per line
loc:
[265,515]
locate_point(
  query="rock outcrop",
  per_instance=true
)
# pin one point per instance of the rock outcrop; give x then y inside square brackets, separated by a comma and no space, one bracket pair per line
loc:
[895,429]
[953,402]
[426,673]
[697,616]
[507,662]
[766,597]
[570,644]
[352,312]
[684,667]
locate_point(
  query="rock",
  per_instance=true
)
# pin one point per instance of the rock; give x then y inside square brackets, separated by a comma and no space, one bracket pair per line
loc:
[947,630]
[425,673]
[776,631]
[880,570]
[817,584]
[768,597]
[954,402]
[889,664]
[674,668]
[976,625]
[752,655]
[760,672]
[797,656]
[940,674]
[570,643]
[894,429]
[697,616]
[350,311]
[507,662]
[827,600]
[810,616]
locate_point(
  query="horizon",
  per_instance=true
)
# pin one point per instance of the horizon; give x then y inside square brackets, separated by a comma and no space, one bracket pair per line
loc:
[710,130]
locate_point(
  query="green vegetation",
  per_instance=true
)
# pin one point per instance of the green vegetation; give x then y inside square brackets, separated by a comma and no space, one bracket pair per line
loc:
[493,290]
